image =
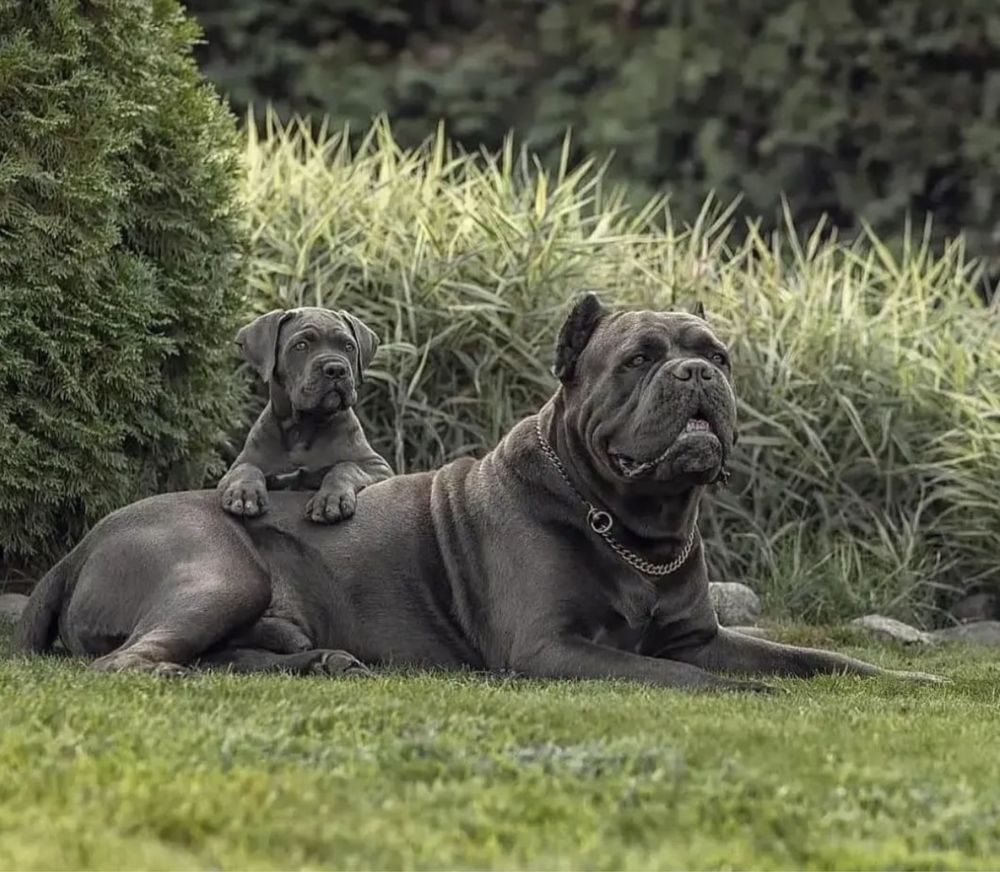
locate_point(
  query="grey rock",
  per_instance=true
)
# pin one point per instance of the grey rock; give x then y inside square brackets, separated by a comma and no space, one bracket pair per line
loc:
[734,603]
[11,606]
[882,627]
[976,607]
[976,633]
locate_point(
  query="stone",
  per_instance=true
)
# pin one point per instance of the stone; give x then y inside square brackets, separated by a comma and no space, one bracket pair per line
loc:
[882,627]
[976,633]
[735,604]
[976,607]
[11,606]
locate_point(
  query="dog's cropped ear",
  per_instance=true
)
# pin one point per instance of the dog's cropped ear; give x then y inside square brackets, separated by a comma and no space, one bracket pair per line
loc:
[368,341]
[698,310]
[576,331]
[258,342]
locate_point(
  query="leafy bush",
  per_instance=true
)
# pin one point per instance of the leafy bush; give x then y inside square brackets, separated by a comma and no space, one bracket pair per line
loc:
[118,264]
[870,384]
[855,110]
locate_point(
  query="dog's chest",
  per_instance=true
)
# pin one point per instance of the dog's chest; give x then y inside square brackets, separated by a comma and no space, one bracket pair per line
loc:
[302,455]
[305,448]
[632,604]
[302,466]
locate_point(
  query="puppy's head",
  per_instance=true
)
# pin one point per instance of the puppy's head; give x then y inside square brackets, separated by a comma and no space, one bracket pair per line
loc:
[649,394]
[317,357]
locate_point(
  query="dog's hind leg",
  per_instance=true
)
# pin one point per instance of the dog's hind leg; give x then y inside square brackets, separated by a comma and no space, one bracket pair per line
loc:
[274,633]
[193,612]
[318,661]
[278,644]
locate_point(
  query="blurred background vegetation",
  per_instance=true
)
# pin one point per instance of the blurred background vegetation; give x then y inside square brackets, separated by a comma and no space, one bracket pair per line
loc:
[859,111]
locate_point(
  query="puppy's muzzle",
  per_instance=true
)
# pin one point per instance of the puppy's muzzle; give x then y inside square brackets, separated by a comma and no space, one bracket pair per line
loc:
[334,369]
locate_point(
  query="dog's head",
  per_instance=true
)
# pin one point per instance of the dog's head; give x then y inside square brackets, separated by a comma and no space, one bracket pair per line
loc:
[649,395]
[316,357]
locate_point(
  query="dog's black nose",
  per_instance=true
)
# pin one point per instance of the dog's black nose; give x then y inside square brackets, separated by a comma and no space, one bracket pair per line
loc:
[334,369]
[693,369]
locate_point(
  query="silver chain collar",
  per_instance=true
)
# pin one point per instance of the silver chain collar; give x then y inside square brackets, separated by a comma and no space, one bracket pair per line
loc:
[601,522]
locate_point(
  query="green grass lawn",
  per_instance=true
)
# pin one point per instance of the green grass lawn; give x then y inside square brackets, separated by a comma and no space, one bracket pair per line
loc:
[433,772]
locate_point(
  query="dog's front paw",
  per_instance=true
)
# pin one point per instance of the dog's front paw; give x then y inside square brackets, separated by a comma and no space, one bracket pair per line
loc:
[329,507]
[919,677]
[247,499]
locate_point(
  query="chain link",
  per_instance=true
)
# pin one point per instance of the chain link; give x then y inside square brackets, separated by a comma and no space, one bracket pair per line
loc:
[601,522]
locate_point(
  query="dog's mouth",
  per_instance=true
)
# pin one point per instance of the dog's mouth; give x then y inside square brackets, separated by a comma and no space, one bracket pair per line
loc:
[631,467]
[341,396]
[329,397]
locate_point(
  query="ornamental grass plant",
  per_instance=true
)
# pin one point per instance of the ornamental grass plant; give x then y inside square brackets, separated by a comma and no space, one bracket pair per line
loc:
[869,381]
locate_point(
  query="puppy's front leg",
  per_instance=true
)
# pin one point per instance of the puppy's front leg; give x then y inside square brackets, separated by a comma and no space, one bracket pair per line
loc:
[243,491]
[730,651]
[337,498]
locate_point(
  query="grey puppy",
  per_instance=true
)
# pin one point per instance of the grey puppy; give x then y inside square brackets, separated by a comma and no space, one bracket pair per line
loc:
[571,550]
[307,437]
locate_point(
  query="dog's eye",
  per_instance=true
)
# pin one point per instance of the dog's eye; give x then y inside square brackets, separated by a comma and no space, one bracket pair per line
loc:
[349,348]
[636,360]
[301,345]
[719,359]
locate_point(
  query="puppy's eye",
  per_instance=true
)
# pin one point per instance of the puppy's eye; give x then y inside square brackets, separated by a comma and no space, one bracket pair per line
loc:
[636,360]
[719,359]
[301,345]
[349,348]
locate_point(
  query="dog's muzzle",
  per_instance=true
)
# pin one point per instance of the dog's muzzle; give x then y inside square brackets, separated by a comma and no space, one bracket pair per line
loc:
[630,467]
[335,369]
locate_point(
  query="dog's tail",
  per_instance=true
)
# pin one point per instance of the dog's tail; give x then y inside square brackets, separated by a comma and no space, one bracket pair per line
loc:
[39,622]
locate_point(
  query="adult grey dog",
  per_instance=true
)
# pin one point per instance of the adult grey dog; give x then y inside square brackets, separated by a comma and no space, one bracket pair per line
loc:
[571,550]
[308,436]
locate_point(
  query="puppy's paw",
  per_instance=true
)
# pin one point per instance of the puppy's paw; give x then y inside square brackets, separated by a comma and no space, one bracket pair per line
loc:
[246,499]
[331,507]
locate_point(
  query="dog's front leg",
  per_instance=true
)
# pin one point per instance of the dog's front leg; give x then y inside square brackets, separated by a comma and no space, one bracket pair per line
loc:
[730,651]
[337,496]
[579,658]
[243,490]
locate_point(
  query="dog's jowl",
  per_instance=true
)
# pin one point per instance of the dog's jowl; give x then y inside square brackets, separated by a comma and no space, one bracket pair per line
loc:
[308,436]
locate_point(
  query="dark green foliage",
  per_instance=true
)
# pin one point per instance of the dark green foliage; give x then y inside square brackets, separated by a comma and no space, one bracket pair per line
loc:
[118,276]
[860,110]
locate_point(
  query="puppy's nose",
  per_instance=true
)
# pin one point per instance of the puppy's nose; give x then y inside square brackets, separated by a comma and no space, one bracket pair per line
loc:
[693,369]
[334,369]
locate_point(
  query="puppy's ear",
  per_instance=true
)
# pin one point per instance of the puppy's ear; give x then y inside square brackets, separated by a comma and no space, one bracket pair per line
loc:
[368,341]
[576,331]
[698,310]
[258,342]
